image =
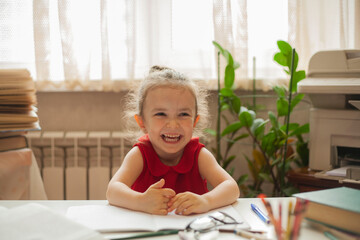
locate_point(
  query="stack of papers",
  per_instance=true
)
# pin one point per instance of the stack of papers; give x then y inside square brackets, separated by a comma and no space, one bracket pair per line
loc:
[340,172]
[17,100]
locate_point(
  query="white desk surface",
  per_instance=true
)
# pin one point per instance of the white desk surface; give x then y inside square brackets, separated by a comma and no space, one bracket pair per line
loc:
[242,206]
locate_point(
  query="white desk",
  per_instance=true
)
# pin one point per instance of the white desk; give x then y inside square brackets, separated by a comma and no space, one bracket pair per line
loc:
[242,206]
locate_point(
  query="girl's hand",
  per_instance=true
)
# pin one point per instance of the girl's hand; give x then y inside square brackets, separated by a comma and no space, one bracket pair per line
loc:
[155,199]
[187,203]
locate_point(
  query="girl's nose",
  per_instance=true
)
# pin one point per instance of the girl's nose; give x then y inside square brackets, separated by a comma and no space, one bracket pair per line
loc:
[172,123]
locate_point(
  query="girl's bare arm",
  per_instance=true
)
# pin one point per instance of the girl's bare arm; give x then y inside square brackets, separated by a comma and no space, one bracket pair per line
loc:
[119,191]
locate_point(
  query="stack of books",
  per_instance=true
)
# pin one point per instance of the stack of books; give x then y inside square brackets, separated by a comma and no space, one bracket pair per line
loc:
[18,112]
[334,211]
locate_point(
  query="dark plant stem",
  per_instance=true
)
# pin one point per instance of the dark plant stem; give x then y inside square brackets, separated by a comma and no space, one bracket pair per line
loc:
[254,89]
[218,150]
[288,118]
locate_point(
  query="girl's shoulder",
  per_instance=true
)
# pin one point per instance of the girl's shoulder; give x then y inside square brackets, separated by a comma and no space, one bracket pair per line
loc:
[205,154]
[134,155]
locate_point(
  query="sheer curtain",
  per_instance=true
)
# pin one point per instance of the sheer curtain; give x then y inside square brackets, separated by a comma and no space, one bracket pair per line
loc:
[83,44]
[323,25]
[110,44]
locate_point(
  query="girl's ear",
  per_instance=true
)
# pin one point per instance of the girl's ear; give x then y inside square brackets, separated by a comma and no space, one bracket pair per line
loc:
[139,121]
[196,120]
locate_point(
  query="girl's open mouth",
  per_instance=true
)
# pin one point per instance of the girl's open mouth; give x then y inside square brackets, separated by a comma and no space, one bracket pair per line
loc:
[170,137]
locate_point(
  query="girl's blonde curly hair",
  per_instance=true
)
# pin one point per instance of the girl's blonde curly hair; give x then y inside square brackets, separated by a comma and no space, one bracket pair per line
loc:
[158,77]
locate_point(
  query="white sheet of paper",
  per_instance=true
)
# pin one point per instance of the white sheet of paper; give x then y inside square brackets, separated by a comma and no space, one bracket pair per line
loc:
[106,218]
[34,221]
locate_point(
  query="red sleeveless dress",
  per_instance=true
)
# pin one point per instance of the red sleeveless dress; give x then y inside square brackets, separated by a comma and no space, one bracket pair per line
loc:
[185,176]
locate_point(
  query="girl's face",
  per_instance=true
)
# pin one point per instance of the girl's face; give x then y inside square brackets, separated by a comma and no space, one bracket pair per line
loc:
[169,119]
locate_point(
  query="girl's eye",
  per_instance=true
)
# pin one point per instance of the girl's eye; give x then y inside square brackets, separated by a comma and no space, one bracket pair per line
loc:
[160,114]
[184,114]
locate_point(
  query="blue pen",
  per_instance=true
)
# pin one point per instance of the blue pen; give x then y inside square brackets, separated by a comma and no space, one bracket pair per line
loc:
[261,215]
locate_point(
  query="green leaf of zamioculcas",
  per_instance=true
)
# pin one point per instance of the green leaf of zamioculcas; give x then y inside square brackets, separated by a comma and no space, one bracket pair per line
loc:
[273,120]
[210,131]
[236,65]
[236,104]
[229,76]
[280,59]
[282,106]
[284,47]
[258,127]
[265,176]
[246,116]
[227,92]
[297,77]
[292,127]
[242,179]
[301,130]
[227,55]
[231,128]
[280,91]
[228,161]
[268,142]
[297,99]
[221,50]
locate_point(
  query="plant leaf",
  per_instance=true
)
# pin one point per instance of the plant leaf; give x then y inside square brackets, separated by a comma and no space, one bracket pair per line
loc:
[218,46]
[228,161]
[236,104]
[280,59]
[289,191]
[296,61]
[273,120]
[236,65]
[296,100]
[227,92]
[259,131]
[280,91]
[276,161]
[229,58]
[282,106]
[258,123]
[265,176]
[246,116]
[301,130]
[229,76]
[242,179]
[297,77]
[212,132]
[284,47]
[259,158]
[224,106]
[232,128]
[268,143]
[251,168]
[292,127]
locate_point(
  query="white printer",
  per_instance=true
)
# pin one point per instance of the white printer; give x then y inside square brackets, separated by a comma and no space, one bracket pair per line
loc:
[333,85]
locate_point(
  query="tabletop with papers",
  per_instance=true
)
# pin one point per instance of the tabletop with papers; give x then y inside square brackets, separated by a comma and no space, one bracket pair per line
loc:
[68,211]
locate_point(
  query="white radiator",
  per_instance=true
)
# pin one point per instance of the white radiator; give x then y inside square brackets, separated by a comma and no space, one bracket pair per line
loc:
[78,165]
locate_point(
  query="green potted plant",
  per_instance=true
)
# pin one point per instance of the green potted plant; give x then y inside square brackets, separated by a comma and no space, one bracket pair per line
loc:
[272,154]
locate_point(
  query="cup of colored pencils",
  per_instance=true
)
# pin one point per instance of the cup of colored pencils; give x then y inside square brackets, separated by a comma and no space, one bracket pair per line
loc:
[293,221]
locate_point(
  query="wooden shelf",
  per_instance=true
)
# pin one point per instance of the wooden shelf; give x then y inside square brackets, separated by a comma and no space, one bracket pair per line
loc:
[305,181]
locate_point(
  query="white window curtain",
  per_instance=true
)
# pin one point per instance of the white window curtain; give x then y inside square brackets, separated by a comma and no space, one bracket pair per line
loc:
[323,25]
[110,44]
